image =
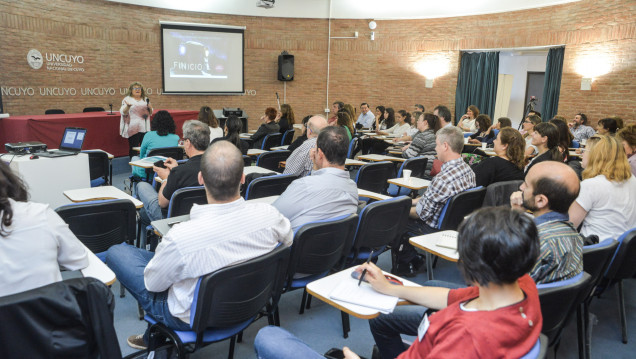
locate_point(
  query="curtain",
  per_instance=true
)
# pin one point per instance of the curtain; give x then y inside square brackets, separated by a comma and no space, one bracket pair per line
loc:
[477,83]
[552,83]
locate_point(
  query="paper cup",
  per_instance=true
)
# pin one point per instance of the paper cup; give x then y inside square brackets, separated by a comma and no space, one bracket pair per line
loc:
[406,174]
[483,146]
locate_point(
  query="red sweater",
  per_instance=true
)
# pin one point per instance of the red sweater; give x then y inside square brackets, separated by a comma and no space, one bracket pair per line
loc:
[501,333]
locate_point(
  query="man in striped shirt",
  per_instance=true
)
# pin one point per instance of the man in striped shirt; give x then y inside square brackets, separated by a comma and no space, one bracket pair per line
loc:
[225,231]
[548,191]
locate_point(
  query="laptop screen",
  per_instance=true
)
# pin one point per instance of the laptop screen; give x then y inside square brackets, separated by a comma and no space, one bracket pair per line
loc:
[73,139]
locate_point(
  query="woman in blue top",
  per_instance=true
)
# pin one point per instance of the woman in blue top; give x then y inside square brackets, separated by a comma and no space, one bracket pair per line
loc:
[162,134]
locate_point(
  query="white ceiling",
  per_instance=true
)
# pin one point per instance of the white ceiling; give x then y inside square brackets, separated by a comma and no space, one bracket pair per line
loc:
[351,9]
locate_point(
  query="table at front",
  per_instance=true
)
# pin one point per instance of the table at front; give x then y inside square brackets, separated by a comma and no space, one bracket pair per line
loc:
[48,177]
[103,129]
[428,243]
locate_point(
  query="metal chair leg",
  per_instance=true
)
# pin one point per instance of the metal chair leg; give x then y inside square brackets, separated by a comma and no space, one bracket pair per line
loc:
[580,330]
[345,324]
[303,301]
[122,291]
[621,309]
[140,312]
[232,342]
[308,302]
[240,337]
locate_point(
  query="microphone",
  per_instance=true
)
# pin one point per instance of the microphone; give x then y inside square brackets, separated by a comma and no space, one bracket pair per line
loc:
[148,104]
[111,107]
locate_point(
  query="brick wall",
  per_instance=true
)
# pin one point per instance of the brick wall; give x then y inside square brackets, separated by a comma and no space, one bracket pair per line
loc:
[121,43]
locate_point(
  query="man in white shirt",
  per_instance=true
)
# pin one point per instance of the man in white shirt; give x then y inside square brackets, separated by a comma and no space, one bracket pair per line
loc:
[366,118]
[226,231]
[299,162]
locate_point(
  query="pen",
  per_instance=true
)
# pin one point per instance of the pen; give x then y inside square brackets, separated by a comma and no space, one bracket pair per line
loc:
[365,271]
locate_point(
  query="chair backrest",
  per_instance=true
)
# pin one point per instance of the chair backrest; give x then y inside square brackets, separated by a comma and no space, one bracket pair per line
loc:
[54,111]
[247,160]
[558,302]
[373,176]
[237,293]
[417,165]
[597,258]
[98,165]
[498,193]
[496,131]
[623,264]
[380,223]
[93,109]
[101,224]
[268,186]
[271,160]
[183,199]
[353,147]
[175,152]
[288,136]
[575,144]
[68,319]
[271,140]
[459,206]
[319,246]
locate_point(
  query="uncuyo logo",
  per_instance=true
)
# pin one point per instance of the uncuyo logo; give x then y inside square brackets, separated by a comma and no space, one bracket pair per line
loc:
[34,58]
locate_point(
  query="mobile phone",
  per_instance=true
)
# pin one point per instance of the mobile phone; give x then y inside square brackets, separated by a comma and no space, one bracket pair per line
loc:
[334,353]
[160,164]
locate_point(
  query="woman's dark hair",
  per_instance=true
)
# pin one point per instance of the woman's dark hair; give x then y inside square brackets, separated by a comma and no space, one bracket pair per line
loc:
[497,245]
[287,112]
[340,105]
[565,136]
[433,121]
[163,123]
[11,186]
[271,113]
[484,122]
[583,118]
[549,130]
[390,120]
[609,124]
[382,110]
[516,146]
[234,126]
[305,120]
[504,122]
[406,116]
[206,115]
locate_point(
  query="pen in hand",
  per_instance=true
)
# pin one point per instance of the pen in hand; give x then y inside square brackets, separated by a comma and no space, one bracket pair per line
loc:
[365,271]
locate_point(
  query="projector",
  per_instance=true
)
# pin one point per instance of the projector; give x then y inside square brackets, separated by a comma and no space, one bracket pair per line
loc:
[23,148]
[267,4]
[232,112]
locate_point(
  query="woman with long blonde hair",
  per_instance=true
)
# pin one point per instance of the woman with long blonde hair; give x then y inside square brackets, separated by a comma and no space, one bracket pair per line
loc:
[606,205]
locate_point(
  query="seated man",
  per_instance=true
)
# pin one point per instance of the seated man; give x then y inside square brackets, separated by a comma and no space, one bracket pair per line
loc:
[328,192]
[455,177]
[196,138]
[499,316]
[227,230]
[299,162]
[548,191]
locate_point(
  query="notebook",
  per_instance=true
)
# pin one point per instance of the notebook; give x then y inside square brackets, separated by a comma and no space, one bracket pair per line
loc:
[71,143]
[448,239]
[363,295]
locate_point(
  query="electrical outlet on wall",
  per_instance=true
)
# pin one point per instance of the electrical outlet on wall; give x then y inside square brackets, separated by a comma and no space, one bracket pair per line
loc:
[327,110]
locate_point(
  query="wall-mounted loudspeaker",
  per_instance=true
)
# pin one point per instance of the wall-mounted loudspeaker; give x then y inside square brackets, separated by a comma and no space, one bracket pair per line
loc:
[285,66]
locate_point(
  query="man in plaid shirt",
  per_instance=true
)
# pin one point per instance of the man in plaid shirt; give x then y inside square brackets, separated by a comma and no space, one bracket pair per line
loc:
[455,177]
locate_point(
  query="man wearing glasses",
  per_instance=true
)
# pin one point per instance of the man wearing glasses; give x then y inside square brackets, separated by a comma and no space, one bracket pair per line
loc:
[366,118]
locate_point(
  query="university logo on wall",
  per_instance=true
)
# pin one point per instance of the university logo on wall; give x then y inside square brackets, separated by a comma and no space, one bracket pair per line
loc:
[34,58]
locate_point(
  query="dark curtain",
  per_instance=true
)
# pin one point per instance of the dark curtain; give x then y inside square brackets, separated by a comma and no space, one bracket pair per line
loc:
[477,83]
[552,83]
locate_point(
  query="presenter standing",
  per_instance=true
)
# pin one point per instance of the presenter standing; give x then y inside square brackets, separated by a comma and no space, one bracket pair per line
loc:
[135,116]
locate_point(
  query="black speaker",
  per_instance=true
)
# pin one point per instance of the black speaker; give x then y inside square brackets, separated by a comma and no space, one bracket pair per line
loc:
[285,66]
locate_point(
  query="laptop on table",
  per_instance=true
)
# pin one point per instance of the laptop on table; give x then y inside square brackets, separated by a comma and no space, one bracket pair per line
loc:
[71,143]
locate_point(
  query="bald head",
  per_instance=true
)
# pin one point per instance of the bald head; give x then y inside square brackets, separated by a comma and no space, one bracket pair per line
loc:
[315,124]
[556,181]
[222,171]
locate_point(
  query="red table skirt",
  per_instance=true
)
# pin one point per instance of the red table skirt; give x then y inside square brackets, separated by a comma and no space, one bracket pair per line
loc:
[103,129]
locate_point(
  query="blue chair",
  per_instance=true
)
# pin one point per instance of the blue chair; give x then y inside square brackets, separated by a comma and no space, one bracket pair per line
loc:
[459,206]
[467,134]
[575,144]
[353,147]
[318,248]
[539,349]
[288,136]
[175,152]
[226,302]
[99,167]
[184,198]
[373,176]
[417,165]
[496,132]
[268,186]
[272,159]
[271,140]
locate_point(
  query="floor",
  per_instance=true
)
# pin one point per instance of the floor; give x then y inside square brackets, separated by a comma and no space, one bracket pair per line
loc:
[321,327]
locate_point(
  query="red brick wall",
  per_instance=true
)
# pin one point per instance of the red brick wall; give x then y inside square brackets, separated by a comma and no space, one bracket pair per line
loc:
[121,43]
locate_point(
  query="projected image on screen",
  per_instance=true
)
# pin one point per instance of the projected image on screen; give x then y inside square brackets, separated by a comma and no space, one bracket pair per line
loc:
[202,59]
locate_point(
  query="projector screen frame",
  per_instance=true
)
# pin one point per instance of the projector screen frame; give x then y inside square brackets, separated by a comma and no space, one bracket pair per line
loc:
[202,27]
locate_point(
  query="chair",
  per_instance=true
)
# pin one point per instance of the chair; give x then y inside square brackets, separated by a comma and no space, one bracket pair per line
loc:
[353,147]
[318,247]
[498,193]
[417,165]
[247,160]
[596,260]
[622,266]
[271,140]
[288,136]
[226,302]
[575,144]
[54,111]
[373,176]
[101,224]
[183,199]
[99,167]
[459,206]
[268,186]
[272,159]
[496,131]
[93,109]
[558,302]
[68,319]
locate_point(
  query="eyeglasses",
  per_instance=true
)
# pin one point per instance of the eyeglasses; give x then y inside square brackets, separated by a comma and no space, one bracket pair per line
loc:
[136,88]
